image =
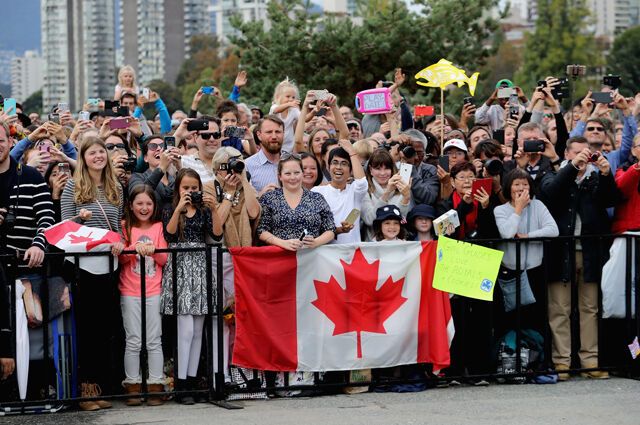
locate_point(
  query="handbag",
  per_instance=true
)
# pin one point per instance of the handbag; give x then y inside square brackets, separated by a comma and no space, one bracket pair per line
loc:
[507,282]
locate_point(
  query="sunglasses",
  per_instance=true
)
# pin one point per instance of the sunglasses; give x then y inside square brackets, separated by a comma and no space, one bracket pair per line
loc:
[288,155]
[155,146]
[353,125]
[116,146]
[595,128]
[207,136]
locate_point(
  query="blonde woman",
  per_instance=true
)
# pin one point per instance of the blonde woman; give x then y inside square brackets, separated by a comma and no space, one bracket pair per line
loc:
[95,196]
[126,82]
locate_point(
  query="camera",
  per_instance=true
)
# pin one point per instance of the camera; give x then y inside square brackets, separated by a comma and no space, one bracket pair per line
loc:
[9,219]
[389,145]
[613,81]
[130,163]
[235,165]
[196,198]
[534,146]
[542,83]
[494,167]
[594,157]
[234,132]
[408,152]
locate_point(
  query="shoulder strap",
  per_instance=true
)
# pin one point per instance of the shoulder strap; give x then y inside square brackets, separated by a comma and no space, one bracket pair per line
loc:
[104,214]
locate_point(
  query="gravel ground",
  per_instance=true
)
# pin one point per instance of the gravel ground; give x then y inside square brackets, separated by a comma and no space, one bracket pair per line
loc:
[579,401]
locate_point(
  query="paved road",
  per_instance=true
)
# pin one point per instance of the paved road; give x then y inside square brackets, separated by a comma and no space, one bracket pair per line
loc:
[580,402]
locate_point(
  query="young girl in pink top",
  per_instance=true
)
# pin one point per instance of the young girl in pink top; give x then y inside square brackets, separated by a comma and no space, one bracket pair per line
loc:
[143,233]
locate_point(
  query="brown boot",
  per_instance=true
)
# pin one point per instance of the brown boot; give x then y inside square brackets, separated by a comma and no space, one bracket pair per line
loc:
[155,400]
[97,392]
[86,391]
[133,389]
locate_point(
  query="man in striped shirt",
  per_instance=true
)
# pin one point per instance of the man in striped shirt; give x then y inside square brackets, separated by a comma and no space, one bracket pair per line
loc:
[26,209]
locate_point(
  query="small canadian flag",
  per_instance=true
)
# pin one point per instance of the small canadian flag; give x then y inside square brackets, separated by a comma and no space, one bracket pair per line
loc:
[340,307]
[70,237]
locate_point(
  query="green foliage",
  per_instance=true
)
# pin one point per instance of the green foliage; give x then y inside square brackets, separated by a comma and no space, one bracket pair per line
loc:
[624,60]
[559,39]
[335,53]
[33,103]
[204,53]
[170,95]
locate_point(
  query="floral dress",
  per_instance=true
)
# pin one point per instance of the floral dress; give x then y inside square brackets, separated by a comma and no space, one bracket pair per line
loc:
[191,267]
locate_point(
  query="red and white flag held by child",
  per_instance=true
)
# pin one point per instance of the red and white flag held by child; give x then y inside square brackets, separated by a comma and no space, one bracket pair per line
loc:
[70,236]
[340,307]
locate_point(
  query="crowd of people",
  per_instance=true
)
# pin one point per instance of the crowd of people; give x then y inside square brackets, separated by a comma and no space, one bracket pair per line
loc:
[292,178]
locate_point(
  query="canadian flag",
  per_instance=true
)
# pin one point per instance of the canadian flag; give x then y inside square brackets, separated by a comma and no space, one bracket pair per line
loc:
[70,237]
[340,307]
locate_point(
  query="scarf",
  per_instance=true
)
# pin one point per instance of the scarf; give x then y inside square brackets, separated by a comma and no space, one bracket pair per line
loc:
[469,223]
[237,229]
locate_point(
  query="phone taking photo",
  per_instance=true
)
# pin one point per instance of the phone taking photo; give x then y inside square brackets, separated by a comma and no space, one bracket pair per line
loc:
[353,216]
[443,161]
[9,107]
[405,172]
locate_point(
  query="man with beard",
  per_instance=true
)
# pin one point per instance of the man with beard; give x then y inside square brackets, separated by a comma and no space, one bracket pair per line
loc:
[263,166]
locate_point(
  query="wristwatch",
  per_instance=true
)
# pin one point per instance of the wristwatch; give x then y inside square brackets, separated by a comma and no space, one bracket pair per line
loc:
[227,196]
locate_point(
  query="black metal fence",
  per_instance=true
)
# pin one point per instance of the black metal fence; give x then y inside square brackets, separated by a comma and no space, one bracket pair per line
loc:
[614,335]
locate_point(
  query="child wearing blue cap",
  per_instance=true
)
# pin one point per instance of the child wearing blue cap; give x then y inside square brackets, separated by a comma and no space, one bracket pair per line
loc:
[420,222]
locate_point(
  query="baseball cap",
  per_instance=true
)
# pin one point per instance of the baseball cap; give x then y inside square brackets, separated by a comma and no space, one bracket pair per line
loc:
[504,83]
[455,143]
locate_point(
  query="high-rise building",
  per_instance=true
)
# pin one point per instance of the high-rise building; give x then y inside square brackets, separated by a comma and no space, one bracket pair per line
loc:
[611,17]
[155,35]
[248,10]
[78,48]
[6,57]
[26,75]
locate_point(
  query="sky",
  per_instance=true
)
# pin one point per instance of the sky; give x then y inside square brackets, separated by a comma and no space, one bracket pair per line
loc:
[20,26]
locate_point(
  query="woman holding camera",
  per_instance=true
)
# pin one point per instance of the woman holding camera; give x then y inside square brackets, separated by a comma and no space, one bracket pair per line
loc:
[94,196]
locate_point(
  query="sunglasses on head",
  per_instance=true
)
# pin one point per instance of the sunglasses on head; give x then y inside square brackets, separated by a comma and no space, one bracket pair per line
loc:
[288,155]
[116,146]
[595,128]
[207,136]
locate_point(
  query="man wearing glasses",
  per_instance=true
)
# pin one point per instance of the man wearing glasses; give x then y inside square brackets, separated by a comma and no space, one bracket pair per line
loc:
[208,142]
[594,131]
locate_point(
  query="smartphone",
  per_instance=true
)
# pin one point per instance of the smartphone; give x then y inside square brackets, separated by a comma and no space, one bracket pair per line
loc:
[45,148]
[320,94]
[467,101]
[10,106]
[207,90]
[498,135]
[321,112]
[111,104]
[576,70]
[122,111]
[405,172]
[145,92]
[533,146]
[119,123]
[54,118]
[232,131]
[304,234]
[169,142]
[63,107]
[506,92]
[486,184]
[613,81]
[198,125]
[602,96]
[63,168]
[93,101]
[84,115]
[353,216]
[443,161]
[387,83]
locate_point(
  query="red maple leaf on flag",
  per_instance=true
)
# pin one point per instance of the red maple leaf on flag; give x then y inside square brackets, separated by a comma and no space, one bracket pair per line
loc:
[359,307]
[77,239]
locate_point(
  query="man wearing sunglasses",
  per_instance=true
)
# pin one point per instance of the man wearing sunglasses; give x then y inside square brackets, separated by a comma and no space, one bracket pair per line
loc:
[593,129]
[208,142]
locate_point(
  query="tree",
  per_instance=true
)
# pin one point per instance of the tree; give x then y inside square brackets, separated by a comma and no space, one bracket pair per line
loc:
[624,60]
[332,52]
[170,95]
[204,53]
[33,103]
[560,38]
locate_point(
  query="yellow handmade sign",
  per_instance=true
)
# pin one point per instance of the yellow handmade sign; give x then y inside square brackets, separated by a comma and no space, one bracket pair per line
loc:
[443,73]
[466,269]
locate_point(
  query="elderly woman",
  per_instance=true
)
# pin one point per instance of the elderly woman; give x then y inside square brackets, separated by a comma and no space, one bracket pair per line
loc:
[292,216]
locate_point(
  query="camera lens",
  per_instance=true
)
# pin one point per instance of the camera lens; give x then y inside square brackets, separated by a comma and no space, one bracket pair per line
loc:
[236,166]
[408,152]
[196,197]
[494,167]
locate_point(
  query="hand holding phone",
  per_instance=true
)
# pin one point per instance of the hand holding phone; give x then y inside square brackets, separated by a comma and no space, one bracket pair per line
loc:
[405,172]
[485,184]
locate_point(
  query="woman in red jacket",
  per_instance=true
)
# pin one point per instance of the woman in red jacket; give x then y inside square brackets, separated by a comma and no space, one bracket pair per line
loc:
[627,216]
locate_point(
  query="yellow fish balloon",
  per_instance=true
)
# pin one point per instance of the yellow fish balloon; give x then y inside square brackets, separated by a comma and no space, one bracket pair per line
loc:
[443,73]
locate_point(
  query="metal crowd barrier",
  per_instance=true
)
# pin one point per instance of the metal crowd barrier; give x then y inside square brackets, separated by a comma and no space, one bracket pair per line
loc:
[218,391]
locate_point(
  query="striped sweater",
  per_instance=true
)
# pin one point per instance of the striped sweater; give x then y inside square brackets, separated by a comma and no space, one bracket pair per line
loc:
[70,209]
[33,210]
